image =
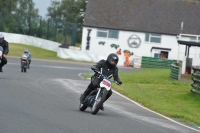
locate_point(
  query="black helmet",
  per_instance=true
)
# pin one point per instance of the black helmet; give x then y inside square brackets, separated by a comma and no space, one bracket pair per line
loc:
[112,59]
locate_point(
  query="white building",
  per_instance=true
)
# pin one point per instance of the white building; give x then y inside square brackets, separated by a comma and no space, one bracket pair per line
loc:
[144,27]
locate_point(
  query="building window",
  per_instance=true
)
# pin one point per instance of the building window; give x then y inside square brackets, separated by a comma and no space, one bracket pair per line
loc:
[156,55]
[108,33]
[194,39]
[161,54]
[113,34]
[155,38]
[102,33]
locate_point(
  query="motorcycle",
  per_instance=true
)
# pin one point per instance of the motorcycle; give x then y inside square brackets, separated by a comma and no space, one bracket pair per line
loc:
[24,63]
[97,97]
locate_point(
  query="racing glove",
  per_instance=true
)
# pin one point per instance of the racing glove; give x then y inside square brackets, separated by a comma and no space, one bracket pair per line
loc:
[4,55]
[119,82]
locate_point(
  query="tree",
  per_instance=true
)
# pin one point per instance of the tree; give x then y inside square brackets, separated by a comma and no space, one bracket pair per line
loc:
[67,12]
[6,9]
[28,14]
[81,5]
[15,13]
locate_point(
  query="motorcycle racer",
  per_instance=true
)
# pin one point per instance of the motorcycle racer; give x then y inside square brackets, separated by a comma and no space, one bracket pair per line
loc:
[5,46]
[106,67]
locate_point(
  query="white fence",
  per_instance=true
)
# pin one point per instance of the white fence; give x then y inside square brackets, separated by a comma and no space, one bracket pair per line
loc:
[33,41]
[71,53]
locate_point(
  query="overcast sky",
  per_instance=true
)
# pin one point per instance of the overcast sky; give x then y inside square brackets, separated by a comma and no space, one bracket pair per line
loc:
[42,5]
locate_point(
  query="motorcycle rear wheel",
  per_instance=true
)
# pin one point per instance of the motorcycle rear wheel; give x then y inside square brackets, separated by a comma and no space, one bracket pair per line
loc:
[99,102]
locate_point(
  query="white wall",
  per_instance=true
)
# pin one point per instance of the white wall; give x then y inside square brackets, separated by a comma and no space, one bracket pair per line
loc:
[88,56]
[98,52]
[33,41]
[72,53]
[167,41]
[143,50]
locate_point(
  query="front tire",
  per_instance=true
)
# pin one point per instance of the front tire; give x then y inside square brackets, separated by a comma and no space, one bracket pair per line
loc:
[99,102]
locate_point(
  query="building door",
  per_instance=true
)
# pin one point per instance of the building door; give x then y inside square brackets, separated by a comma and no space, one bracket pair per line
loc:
[164,54]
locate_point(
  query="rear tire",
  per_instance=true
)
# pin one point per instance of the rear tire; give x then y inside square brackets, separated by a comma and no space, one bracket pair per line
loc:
[99,102]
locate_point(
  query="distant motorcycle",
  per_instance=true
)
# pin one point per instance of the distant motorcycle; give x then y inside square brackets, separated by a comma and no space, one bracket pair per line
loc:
[24,63]
[97,97]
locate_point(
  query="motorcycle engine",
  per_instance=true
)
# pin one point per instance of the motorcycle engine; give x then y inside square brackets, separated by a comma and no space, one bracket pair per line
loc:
[89,101]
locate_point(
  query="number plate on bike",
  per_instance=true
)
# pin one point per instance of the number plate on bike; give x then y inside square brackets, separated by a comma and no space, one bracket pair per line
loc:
[105,83]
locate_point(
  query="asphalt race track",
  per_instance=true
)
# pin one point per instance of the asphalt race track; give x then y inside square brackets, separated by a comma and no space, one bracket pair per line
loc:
[46,100]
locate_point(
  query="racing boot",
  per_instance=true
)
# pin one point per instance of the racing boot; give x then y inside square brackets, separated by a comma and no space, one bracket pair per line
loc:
[82,98]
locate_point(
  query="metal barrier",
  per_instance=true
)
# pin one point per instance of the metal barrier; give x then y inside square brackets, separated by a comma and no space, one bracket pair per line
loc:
[196,80]
[175,72]
[150,62]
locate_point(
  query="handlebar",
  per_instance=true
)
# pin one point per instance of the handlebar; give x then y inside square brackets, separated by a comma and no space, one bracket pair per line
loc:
[105,77]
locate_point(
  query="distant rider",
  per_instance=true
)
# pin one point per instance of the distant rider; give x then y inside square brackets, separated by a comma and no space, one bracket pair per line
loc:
[28,54]
[4,44]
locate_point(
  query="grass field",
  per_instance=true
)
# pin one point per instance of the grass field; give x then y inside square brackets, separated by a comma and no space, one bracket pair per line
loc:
[153,88]
[18,49]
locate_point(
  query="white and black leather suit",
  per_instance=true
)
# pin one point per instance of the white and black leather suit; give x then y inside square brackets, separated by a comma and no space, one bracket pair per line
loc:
[107,70]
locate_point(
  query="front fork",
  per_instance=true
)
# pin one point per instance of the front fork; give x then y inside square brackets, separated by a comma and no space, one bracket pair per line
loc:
[98,94]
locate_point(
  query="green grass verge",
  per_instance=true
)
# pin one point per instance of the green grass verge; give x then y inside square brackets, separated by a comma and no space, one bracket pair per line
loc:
[18,49]
[155,90]
[36,52]
[87,75]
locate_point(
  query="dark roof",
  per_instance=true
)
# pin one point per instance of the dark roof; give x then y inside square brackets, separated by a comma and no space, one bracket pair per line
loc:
[154,16]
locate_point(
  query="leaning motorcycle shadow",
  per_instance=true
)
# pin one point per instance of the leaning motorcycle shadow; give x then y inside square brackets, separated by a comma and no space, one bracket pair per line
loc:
[107,113]
[100,113]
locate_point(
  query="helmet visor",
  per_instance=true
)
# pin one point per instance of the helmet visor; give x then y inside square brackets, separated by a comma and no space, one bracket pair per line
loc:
[112,62]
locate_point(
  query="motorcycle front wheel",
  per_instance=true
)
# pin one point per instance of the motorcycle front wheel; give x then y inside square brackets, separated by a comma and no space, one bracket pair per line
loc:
[98,103]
